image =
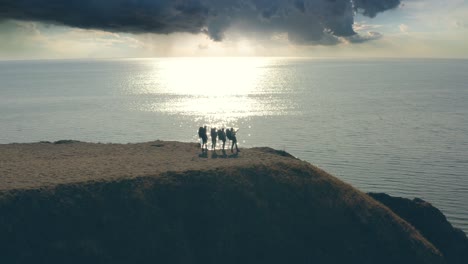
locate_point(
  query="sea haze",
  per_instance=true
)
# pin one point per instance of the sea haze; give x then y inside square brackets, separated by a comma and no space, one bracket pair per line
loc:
[394,126]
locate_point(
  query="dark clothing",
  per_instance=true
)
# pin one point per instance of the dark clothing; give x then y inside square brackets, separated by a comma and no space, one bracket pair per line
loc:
[214,135]
[204,137]
[234,140]
[224,139]
[229,134]
[202,134]
[221,135]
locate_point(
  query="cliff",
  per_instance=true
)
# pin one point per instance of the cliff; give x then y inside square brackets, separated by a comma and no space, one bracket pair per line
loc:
[165,202]
[432,224]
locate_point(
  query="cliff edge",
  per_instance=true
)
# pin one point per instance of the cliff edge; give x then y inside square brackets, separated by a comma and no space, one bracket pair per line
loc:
[165,202]
[432,224]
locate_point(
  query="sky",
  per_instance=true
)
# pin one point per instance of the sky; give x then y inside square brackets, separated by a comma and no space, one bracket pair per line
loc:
[61,29]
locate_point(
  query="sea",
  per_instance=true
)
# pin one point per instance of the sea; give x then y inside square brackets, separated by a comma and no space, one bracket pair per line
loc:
[398,126]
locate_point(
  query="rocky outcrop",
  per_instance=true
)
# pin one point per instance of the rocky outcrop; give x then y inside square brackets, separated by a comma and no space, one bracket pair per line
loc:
[432,224]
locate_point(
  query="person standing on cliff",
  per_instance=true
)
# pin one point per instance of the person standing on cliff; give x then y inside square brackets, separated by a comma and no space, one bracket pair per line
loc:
[222,136]
[234,139]
[204,137]
[214,135]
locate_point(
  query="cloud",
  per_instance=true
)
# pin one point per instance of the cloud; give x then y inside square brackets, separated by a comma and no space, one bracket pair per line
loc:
[323,22]
[364,26]
[32,40]
[20,38]
[371,35]
[460,24]
[203,46]
[371,8]
[403,28]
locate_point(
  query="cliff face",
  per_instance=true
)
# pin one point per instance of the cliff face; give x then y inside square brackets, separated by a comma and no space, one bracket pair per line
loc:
[262,206]
[432,224]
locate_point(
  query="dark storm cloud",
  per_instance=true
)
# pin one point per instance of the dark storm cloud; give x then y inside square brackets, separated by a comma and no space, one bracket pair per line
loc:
[305,21]
[371,8]
[300,5]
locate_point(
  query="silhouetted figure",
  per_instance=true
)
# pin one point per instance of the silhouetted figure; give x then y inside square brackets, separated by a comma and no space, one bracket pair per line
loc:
[204,137]
[214,135]
[234,139]
[229,135]
[222,136]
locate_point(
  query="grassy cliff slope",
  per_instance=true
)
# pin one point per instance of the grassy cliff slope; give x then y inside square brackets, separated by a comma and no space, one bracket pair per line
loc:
[261,206]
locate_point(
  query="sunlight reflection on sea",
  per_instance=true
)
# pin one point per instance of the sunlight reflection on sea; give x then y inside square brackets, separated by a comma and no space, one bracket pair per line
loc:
[394,126]
[215,91]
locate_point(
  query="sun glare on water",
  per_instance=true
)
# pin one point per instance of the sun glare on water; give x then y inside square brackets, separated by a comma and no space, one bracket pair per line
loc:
[216,90]
[212,76]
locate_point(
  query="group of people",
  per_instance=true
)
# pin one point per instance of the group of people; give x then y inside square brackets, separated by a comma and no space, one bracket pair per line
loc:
[221,134]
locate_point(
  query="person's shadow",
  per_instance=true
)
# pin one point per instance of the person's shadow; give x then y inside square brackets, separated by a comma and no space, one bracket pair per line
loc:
[215,155]
[224,156]
[204,154]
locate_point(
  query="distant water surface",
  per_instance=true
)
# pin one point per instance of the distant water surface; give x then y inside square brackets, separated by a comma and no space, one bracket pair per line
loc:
[394,126]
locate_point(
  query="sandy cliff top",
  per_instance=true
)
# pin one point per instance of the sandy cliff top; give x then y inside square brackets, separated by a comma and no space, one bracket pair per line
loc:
[25,166]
